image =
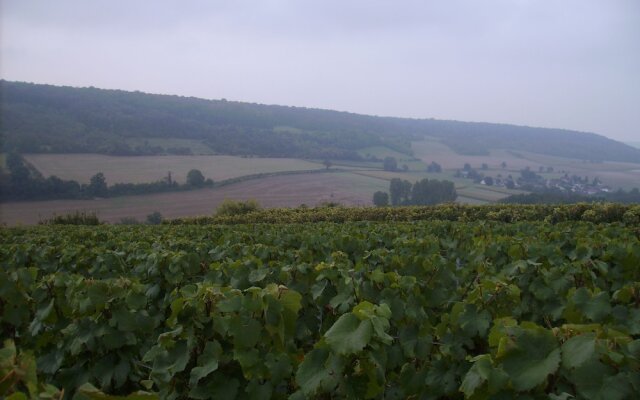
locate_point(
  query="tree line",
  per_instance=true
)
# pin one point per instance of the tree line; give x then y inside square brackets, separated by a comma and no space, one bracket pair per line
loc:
[23,182]
[422,192]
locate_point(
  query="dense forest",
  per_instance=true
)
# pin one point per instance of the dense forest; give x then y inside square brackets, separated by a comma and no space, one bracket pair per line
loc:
[44,118]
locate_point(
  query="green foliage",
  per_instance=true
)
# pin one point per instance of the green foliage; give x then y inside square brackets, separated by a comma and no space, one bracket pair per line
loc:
[423,192]
[98,186]
[400,191]
[18,376]
[511,306]
[593,212]
[230,208]
[434,167]
[381,199]
[427,192]
[76,218]
[154,218]
[25,183]
[195,178]
[43,118]
[129,221]
[390,164]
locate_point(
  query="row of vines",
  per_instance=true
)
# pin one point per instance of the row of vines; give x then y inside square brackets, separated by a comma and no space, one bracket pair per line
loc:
[591,212]
[360,310]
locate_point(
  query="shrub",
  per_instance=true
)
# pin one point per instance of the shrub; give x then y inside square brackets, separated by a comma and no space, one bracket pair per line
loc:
[76,218]
[155,218]
[231,207]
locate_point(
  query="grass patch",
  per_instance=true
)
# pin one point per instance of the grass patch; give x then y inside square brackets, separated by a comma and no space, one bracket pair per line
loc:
[196,146]
[142,169]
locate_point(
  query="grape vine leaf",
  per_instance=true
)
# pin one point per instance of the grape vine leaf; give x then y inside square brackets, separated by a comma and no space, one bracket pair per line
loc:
[349,334]
[534,355]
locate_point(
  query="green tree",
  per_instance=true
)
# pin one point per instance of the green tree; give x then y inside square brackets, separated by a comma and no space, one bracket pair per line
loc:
[20,176]
[155,218]
[434,167]
[19,172]
[230,207]
[395,190]
[98,186]
[381,199]
[427,192]
[400,190]
[327,164]
[390,164]
[195,178]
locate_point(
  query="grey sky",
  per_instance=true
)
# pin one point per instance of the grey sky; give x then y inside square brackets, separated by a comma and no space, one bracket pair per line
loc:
[571,64]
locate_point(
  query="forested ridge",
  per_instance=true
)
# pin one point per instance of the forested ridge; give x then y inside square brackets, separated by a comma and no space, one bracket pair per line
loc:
[44,118]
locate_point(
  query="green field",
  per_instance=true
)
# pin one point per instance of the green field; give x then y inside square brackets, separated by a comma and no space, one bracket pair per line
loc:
[457,306]
[140,169]
[196,146]
[402,159]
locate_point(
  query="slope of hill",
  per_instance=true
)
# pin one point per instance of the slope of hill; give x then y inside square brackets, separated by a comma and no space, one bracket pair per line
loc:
[44,118]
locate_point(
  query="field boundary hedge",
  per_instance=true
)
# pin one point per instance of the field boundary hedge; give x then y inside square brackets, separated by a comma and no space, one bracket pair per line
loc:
[596,213]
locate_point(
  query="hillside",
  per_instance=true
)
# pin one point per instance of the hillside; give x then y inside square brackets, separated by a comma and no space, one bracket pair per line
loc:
[52,119]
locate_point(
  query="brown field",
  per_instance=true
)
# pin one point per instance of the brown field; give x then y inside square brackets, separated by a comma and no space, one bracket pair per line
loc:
[277,191]
[141,169]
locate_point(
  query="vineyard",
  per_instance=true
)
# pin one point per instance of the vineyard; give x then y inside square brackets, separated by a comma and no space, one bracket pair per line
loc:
[481,303]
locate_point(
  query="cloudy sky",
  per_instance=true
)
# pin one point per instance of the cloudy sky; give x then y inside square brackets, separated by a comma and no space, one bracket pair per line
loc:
[571,64]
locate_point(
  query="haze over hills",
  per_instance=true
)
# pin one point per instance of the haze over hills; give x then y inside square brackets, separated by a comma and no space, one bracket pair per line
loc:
[52,119]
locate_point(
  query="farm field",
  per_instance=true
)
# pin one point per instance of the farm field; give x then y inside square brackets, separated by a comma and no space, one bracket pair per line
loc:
[276,191]
[196,146]
[615,174]
[354,188]
[403,159]
[381,310]
[431,150]
[141,169]
[467,191]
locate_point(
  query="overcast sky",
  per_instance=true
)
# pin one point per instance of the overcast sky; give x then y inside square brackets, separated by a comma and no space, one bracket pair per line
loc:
[571,64]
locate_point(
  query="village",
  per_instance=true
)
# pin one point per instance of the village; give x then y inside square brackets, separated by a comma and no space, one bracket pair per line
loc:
[534,182]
